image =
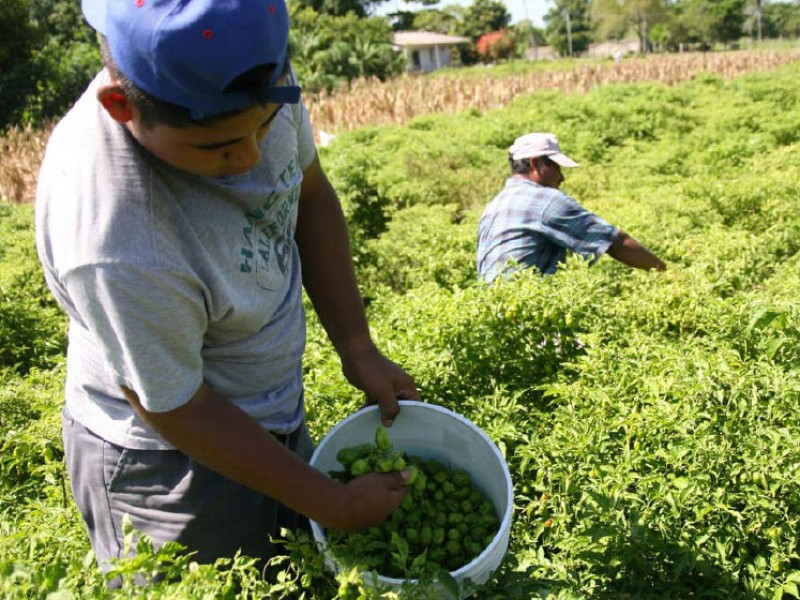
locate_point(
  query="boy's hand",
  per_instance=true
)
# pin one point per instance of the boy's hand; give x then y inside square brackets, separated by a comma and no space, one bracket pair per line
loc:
[369,500]
[383,381]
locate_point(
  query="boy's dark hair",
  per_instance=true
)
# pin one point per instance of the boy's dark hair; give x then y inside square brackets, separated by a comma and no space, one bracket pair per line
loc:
[155,111]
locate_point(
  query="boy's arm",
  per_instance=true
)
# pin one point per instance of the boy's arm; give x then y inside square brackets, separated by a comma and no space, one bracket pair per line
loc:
[218,434]
[329,279]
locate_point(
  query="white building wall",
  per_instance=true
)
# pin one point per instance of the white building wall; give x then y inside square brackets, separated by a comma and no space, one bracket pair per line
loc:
[433,57]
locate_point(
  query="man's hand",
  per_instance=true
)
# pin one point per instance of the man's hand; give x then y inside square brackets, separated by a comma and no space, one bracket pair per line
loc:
[629,251]
[383,381]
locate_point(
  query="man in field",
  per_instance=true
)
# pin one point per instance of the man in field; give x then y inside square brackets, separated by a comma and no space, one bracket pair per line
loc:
[530,223]
[181,209]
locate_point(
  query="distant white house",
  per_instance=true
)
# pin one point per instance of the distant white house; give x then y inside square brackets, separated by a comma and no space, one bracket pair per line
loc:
[614,49]
[427,51]
[541,53]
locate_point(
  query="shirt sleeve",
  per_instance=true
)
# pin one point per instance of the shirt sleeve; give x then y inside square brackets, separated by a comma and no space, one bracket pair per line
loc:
[570,225]
[306,146]
[147,325]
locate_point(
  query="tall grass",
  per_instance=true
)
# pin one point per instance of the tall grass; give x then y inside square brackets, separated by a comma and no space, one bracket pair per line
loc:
[369,102]
[21,151]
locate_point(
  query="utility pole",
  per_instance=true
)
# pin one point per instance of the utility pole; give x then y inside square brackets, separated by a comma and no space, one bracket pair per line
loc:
[533,36]
[569,32]
[645,34]
[758,19]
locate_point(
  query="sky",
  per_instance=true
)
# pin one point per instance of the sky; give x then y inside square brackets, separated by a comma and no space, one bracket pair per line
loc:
[519,9]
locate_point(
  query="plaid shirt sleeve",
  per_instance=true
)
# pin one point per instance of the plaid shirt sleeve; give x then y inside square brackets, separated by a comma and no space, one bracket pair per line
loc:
[570,225]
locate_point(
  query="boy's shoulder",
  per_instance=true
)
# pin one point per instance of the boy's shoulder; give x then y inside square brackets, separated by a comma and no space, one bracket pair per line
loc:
[86,130]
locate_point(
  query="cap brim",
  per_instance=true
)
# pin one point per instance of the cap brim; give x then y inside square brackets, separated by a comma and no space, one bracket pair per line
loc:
[94,11]
[279,94]
[562,159]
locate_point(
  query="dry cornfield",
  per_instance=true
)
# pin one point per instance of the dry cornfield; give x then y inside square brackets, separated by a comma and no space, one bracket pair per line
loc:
[371,102]
[375,102]
[21,150]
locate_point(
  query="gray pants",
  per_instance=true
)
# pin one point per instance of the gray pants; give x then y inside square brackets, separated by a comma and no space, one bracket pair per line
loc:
[170,497]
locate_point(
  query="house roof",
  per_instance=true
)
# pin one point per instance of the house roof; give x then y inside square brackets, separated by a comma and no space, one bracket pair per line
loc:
[425,38]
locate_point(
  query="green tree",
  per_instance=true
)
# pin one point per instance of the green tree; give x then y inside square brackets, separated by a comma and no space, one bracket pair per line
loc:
[440,21]
[338,8]
[721,21]
[660,36]
[484,16]
[617,18]
[47,56]
[328,51]
[402,20]
[526,36]
[780,19]
[18,41]
[62,21]
[568,27]
[728,20]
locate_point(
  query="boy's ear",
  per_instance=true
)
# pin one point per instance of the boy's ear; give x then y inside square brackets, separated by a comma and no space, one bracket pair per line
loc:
[116,103]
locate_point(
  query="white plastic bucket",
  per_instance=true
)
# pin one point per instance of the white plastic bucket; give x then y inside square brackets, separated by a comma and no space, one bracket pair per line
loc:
[430,431]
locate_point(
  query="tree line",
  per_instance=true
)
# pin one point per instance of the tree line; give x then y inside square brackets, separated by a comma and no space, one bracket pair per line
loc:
[669,25]
[48,53]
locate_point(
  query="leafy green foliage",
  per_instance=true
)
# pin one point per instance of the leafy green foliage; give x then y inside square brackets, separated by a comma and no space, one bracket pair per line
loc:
[779,19]
[479,18]
[329,51]
[448,238]
[568,26]
[717,22]
[652,445]
[62,76]
[483,16]
[32,328]
[31,450]
[339,8]
[615,20]
[442,21]
[18,39]
[648,419]
[47,56]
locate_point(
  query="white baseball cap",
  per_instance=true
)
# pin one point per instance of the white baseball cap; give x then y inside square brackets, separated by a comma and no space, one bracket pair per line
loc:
[540,144]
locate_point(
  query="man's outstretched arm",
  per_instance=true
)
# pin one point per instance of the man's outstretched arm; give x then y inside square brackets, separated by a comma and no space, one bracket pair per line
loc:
[627,250]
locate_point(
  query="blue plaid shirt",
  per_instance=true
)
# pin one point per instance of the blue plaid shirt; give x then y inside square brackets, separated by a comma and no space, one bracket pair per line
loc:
[534,226]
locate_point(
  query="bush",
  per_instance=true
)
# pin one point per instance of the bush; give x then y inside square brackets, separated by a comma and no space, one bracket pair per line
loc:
[495,46]
[32,327]
[648,419]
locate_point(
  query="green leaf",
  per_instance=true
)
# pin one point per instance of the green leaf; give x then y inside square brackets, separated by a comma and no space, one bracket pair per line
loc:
[449,583]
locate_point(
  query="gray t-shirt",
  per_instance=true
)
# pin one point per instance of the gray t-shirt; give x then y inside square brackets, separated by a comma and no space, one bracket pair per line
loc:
[171,279]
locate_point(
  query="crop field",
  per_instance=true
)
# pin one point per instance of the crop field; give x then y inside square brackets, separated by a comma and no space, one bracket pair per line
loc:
[649,420]
[371,102]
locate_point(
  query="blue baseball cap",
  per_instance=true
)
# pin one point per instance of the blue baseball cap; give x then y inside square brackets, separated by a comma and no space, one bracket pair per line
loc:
[187,52]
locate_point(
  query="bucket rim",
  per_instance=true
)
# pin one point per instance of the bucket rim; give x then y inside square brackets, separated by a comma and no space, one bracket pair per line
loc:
[505,520]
